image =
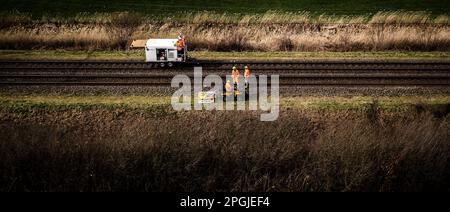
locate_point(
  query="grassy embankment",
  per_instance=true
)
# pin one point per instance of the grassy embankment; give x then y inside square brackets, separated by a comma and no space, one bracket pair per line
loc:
[392,104]
[138,55]
[399,25]
[271,31]
[51,143]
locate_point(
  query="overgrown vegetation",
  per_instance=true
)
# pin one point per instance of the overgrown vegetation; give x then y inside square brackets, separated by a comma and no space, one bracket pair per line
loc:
[270,31]
[140,150]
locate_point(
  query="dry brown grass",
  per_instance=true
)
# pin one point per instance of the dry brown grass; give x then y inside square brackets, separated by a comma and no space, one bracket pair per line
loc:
[54,37]
[119,150]
[309,37]
[272,31]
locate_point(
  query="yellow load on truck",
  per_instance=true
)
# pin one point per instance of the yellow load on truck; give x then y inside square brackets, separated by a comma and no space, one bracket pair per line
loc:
[138,44]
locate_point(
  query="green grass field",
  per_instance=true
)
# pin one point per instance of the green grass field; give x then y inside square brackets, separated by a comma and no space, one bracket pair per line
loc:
[162,8]
[14,102]
[206,55]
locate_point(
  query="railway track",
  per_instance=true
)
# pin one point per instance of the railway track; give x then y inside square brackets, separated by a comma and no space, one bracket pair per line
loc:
[220,65]
[312,73]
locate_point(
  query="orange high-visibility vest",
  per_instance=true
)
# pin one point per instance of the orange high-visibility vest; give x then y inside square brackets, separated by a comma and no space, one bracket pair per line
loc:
[180,44]
[247,73]
[235,75]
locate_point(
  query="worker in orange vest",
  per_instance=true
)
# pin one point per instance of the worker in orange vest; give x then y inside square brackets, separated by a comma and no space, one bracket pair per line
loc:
[235,75]
[181,42]
[246,75]
[228,87]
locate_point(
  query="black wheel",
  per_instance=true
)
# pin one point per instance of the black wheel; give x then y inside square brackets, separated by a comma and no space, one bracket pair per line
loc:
[162,65]
[170,64]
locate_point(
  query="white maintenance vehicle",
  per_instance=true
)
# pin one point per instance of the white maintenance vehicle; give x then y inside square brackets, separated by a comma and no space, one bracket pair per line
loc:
[166,52]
